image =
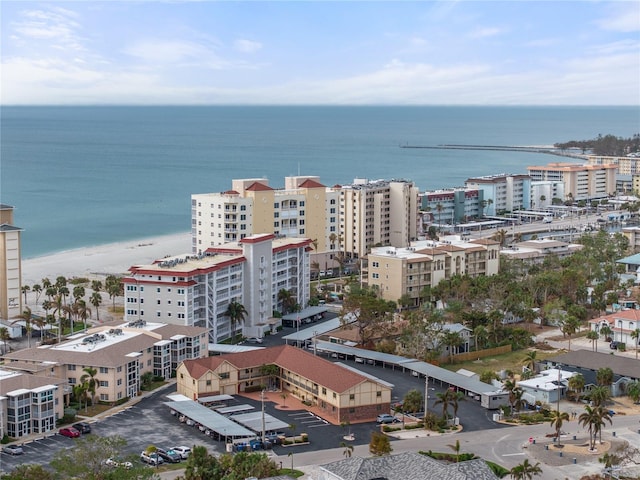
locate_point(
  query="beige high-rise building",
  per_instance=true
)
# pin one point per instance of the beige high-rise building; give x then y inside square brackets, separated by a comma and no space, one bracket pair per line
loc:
[377,212]
[396,272]
[625,165]
[10,265]
[581,182]
[303,209]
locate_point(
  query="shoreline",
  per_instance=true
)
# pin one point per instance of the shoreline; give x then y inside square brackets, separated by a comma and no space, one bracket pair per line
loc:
[102,260]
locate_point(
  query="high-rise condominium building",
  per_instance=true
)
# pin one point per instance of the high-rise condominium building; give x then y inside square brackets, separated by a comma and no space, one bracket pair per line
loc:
[502,193]
[10,265]
[581,182]
[196,289]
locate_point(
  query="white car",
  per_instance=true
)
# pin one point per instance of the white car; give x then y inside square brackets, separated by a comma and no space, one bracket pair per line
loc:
[253,340]
[151,458]
[183,451]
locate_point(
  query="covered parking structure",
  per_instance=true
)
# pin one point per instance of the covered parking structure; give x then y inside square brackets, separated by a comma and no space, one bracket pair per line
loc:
[253,421]
[468,385]
[221,425]
[304,316]
[306,335]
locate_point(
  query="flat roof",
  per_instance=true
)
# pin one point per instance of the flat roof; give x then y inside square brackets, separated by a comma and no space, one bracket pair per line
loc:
[253,421]
[426,369]
[365,374]
[214,398]
[305,313]
[318,329]
[210,419]
[234,409]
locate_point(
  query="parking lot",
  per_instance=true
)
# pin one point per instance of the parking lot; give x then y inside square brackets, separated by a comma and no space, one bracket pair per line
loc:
[150,422]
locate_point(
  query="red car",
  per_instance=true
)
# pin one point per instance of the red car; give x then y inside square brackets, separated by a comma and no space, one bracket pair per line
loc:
[69,432]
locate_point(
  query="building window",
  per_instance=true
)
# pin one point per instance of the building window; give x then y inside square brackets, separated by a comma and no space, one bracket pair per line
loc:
[334,395]
[71,367]
[224,375]
[104,383]
[324,391]
[104,370]
[104,397]
[378,393]
[119,382]
[276,205]
[352,396]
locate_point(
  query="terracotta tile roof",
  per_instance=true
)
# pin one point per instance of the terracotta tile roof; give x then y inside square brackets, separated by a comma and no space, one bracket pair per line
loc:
[311,184]
[316,369]
[230,192]
[258,187]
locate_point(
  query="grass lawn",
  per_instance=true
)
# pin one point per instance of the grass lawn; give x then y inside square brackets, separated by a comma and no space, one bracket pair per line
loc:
[153,386]
[507,361]
[93,410]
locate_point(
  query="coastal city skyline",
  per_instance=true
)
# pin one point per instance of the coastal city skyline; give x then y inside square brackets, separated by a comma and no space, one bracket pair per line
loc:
[341,53]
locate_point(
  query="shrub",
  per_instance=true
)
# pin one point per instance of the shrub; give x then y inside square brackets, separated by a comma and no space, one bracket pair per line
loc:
[499,470]
[253,388]
[388,428]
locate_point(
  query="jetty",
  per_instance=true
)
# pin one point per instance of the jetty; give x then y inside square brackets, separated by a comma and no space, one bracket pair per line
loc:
[500,148]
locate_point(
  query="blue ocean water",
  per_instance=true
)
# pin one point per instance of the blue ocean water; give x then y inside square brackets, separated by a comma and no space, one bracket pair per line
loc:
[83,176]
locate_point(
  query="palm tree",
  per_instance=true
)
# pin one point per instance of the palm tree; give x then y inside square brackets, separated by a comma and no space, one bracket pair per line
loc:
[606,331]
[439,209]
[5,336]
[635,335]
[576,384]
[348,449]
[38,291]
[456,398]
[557,419]
[40,322]
[530,360]
[512,388]
[482,335]
[92,383]
[603,414]
[96,301]
[24,289]
[593,336]
[452,340]
[84,312]
[599,395]
[589,419]
[633,390]
[287,299]
[236,313]
[604,376]
[570,326]
[25,317]
[525,471]
[456,448]
[444,399]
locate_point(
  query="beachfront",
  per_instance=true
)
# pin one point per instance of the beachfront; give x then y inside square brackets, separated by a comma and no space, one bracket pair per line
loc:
[102,260]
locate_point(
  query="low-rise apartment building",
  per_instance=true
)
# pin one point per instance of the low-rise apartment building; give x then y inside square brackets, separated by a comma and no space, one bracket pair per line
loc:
[397,272]
[535,251]
[342,393]
[196,290]
[622,324]
[581,182]
[29,403]
[452,205]
[120,353]
[625,165]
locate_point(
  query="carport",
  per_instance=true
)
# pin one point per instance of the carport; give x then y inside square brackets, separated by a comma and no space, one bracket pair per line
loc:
[435,373]
[307,334]
[253,421]
[210,419]
[234,409]
[307,315]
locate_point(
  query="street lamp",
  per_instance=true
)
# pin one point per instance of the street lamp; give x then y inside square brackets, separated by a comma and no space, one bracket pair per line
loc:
[262,399]
[315,342]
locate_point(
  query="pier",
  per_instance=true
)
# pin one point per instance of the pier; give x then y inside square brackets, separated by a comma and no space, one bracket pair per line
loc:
[499,148]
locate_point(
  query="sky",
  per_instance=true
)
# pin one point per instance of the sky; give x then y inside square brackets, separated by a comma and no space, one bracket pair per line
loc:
[320,52]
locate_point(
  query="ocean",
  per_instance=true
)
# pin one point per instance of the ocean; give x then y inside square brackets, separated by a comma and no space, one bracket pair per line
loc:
[86,176]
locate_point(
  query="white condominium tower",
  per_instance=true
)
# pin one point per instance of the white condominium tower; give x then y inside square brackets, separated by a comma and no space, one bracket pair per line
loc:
[196,289]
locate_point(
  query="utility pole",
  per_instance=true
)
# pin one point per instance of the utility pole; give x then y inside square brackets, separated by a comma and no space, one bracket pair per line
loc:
[262,398]
[426,398]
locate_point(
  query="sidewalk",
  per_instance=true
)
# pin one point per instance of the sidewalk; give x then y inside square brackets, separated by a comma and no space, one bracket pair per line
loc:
[556,339]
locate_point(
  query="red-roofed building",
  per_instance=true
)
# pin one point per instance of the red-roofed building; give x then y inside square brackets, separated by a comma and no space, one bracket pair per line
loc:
[622,324]
[343,394]
[196,290]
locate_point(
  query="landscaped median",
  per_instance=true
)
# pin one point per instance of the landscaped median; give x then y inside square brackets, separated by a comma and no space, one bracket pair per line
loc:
[302,439]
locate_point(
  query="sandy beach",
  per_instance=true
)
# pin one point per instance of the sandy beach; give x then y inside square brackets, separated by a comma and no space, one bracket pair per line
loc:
[102,260]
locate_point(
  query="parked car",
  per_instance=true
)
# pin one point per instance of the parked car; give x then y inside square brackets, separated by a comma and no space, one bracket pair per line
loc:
[69,432]
[614,345]
[386,418]
[183,451]
[151,459]
[82,427]
[275,438]
[169,455]
[114,463]
[253,340]
[13,449]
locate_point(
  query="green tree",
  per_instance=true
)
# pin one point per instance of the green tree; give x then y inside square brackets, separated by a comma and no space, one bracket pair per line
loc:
[604,376]
[452,340]
[37,289]
[5,336]
[24,289]
[633,390]
[96,301]
[444,399]
[114,287]
[201,466]
[456,448]
[28,472]
[26,318]
[593,336]
[86,460]
[589,419]
[600,395]
[530,360]
[456,398]
[370,313]
[525,471]
[635,335]
[237,314]
[413,401]
[557,419]
[287,300]
[348,449]
[576,385]
[92,383]
[379,445]
[570,326]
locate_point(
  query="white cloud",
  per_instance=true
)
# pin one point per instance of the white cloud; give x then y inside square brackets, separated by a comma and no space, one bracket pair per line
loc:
[486,32]
[247,46]
[58,26]
[624,17]
[166,51]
